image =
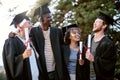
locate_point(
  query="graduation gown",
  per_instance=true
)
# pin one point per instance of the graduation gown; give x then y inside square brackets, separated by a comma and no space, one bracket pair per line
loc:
[16,68]
[82,71]
[56,38]
[105,59]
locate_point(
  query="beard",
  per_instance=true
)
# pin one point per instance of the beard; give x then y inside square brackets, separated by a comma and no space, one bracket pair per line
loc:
[97,29]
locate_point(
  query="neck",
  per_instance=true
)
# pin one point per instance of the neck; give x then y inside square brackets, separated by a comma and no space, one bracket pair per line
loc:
[21,35]
[74,46]
[98,36]
[44,27]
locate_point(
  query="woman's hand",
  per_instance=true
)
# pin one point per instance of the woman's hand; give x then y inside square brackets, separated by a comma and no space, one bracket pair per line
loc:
[27,53]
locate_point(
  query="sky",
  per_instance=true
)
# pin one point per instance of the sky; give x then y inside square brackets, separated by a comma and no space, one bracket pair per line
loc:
[5,18]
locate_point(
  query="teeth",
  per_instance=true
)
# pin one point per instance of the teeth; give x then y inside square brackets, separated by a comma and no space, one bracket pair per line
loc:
[75,34]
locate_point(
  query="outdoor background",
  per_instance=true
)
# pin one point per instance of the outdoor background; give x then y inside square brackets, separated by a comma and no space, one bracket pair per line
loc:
[65,12]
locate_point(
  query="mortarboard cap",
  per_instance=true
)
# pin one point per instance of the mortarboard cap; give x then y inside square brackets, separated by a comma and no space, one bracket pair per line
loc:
[44,10]
[64,29]
[37,11]
[18,18]
[107,19]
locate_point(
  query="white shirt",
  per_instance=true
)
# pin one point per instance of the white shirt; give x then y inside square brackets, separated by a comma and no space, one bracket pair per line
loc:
[50,62]
[33,64]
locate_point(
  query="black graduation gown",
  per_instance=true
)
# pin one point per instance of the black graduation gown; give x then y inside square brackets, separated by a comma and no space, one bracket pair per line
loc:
[56,38]
[16,68]
[105,59]
[82,71]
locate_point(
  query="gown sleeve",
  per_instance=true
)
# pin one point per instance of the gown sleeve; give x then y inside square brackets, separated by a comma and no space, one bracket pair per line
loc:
[12,60]
[105,63]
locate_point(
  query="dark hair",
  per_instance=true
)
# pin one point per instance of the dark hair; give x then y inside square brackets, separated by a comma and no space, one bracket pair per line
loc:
[66,38]
[41,19]
[106,26]
[67,35]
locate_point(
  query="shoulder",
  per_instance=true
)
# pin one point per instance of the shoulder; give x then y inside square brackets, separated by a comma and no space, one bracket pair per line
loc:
[107,41]
[55,28]
[35,28]
[11,41]
[65,47]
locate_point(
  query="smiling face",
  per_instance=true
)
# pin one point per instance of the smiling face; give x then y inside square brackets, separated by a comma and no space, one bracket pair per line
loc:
[74,34]
[47,19]
[27,24]
[99,25]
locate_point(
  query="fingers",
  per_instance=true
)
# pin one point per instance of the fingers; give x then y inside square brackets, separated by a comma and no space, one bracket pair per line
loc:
[81,61]
[89,56]
[11,34]
[27,53]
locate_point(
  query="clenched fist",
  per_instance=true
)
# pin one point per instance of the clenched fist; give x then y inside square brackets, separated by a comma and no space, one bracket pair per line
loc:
[27,53]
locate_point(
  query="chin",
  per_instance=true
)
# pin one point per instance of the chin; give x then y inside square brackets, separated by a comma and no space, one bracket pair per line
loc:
[94,30]
[78,40]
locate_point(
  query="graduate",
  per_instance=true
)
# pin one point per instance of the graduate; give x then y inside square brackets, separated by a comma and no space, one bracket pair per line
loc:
[48,41]
[102,53]
[20,60]
[75,61]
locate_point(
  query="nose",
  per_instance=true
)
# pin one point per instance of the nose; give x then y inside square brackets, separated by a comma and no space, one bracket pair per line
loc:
[78,34]
[50,18]
[94,23]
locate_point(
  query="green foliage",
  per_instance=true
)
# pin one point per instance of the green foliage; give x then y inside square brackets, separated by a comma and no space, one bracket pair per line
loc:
[85,12]
[117,70]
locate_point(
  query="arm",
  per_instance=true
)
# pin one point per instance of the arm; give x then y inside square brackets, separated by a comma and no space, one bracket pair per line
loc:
[13,64]
[13,59]
[105,60]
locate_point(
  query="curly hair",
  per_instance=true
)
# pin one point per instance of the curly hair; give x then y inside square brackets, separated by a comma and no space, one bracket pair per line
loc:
[67,40]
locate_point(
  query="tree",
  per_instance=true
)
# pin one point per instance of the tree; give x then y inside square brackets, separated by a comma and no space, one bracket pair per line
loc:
[84,12]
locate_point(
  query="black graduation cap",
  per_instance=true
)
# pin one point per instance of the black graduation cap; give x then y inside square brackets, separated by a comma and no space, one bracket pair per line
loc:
[107,19]
[42,10]
[18,18]
[37,11]
[64,29]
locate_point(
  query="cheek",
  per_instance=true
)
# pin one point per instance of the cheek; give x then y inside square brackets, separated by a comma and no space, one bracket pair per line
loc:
[45,20]
[21,28]
[71,34]
[71,37]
